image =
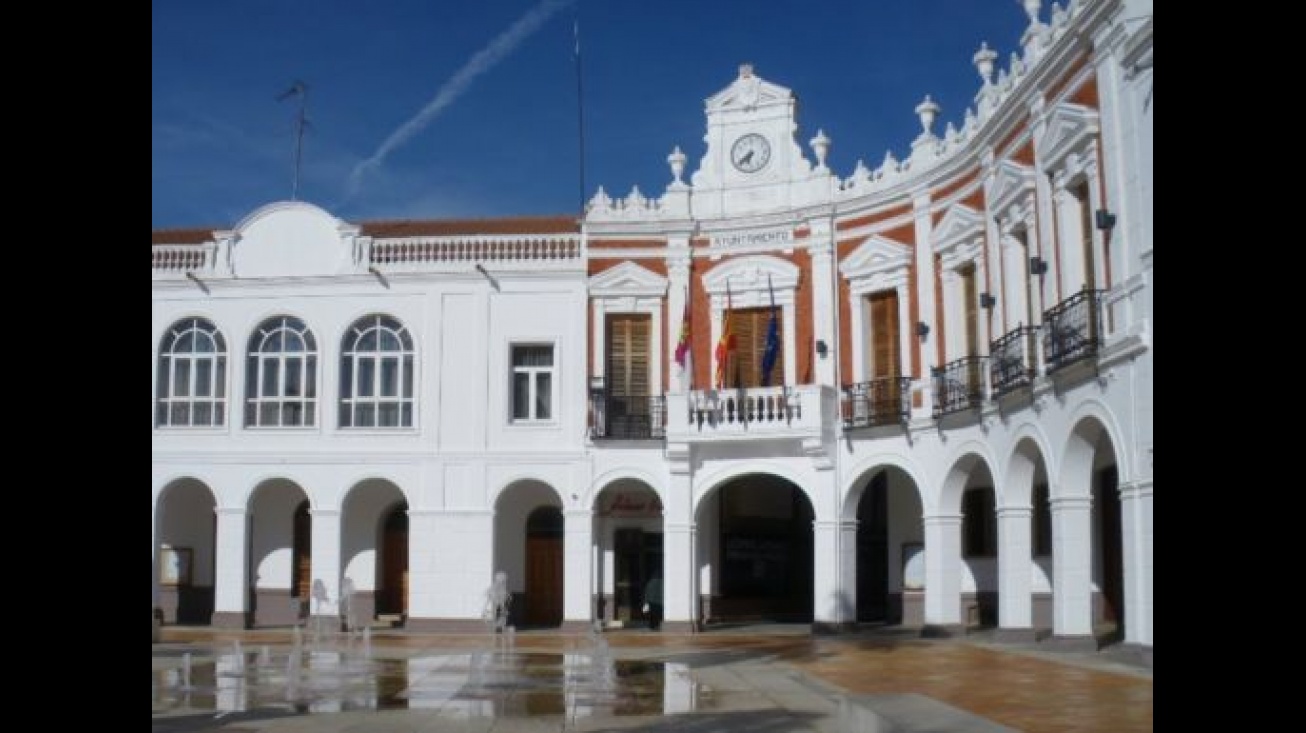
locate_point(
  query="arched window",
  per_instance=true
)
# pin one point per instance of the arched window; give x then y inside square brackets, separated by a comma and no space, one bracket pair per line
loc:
[281,375]
[192,383]
[376,374]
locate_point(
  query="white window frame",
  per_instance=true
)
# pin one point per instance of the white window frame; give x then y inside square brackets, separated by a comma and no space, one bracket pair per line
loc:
[350,401]
[260,358]
[166,396]
[532,392]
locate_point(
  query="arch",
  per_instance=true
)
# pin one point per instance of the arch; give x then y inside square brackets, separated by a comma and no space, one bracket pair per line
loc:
[863,468]
[528,560]
[1029,445]
[624,473]
[277,207]
[274,534]
[756,547]
[708,481]
[961,467]
[367,560]
[628,536]
[185,542]
[885,503]
[1078,449]
[337,499]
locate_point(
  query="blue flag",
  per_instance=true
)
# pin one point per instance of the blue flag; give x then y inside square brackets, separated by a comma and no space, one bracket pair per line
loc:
[772,349]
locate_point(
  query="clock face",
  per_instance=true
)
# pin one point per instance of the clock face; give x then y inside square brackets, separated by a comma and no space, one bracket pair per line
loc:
[750,153]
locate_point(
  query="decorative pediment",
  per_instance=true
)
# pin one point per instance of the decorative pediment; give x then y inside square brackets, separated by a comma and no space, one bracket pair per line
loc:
[747,92]
[627,279]
[1009,181]
[878,263]
[751,280]
[291,239]
[1069,127]
[960,225]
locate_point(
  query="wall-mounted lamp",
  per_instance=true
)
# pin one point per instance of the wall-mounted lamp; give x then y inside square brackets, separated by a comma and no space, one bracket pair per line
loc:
[987,301]
[193,277]
[1038,266]
[822,350]
[1104,219]
[922,329]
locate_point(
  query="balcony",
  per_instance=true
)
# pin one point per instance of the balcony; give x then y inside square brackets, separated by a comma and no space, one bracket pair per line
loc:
[616,417]
[1012,361]
[752,412]
[885,401]
[959,386]
[1072,330]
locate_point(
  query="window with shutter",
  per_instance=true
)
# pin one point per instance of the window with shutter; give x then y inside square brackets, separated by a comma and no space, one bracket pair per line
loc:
[886,357]
[969,299]
[749,326]
[628,354]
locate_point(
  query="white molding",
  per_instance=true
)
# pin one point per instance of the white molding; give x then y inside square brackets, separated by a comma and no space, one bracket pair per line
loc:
[1069,126]
[879,263]
[627,279]
[1008,181]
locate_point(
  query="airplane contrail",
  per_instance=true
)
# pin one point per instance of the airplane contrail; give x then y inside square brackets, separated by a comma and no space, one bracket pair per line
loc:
[484,60]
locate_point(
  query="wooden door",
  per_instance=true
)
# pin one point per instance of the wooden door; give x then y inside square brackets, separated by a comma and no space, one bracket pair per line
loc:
[544,581]
[886,352]
[392,596]
[302,542]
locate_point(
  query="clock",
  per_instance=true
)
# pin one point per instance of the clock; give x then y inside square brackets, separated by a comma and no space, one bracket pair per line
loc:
[750,153]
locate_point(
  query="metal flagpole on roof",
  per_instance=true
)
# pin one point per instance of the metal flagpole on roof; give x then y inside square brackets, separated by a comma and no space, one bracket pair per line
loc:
[298,89]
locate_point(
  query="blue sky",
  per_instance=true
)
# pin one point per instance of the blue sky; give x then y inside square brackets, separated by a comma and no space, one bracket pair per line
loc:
[497,79]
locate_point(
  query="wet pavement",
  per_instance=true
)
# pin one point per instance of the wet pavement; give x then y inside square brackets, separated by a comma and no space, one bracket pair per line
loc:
[760,679]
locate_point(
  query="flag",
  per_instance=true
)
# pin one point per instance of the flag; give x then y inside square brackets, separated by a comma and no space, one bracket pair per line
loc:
[725,348]
[682,346]
[772,349]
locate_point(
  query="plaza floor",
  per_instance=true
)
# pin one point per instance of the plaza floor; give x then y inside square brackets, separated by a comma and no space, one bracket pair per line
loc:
[757,679]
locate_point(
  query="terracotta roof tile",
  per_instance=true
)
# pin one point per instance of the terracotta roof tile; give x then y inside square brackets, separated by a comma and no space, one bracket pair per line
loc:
[181,236]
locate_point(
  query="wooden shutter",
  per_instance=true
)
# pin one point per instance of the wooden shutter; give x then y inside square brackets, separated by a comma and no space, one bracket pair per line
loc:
[1086,234]
[969,299]
[886,356]
[749,326]
[628,354]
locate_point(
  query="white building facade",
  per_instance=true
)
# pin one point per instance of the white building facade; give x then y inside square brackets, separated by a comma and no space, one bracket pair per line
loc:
[937,410]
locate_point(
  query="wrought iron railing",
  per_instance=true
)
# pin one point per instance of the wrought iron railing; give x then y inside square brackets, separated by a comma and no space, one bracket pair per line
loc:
[1072,329]
[884,401]
[618,417]
[959,385]
[1012,361]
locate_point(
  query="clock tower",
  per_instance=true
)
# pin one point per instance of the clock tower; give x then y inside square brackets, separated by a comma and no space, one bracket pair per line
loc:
[753,164]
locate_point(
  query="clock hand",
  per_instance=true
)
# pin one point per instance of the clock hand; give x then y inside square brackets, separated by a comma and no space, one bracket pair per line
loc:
[747,157]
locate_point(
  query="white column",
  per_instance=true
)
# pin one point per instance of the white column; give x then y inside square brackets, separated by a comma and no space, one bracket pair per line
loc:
[943,569]
[578,541]
[1136,530]
[1015,606]
[823,296]
[679,588]
[679,581]
[230,591]
[1072,565]
[834,575]
[925,299]
[848,568]
[326,556]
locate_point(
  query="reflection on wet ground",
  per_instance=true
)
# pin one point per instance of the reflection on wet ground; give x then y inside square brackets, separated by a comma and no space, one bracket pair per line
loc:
[479,684]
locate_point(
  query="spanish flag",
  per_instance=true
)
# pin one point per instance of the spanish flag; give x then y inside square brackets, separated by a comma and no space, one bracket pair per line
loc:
[725,348]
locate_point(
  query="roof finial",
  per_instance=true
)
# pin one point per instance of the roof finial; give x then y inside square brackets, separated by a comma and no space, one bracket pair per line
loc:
[745,71]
